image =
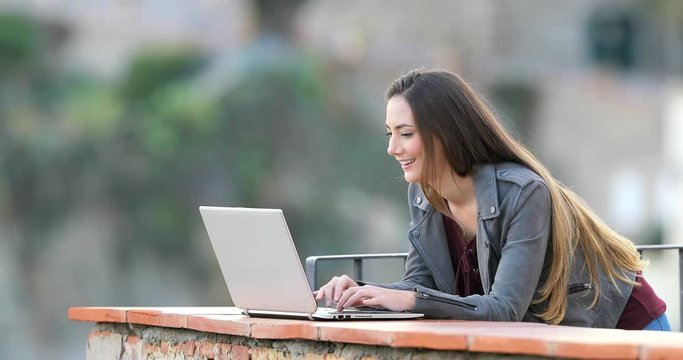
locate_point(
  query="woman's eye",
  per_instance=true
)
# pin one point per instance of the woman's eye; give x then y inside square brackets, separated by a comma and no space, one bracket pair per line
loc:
[407,134]
[388,134]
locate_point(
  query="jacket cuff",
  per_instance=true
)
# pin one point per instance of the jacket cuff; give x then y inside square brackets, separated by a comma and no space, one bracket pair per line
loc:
[436,305]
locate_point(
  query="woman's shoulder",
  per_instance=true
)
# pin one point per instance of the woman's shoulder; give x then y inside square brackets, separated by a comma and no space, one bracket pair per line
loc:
[516,173]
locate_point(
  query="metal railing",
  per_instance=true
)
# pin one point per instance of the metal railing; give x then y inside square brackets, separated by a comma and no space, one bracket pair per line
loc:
[313,261]
[312,264]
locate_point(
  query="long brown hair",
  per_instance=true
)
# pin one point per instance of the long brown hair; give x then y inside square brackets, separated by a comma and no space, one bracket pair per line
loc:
[450,114]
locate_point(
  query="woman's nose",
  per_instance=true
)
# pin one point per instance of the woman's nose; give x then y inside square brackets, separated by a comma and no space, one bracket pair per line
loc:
[392,148]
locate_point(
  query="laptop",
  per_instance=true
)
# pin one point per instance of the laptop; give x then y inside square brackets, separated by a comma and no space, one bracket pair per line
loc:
[262,269]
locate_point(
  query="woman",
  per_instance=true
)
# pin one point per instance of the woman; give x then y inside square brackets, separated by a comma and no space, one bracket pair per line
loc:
[493,235]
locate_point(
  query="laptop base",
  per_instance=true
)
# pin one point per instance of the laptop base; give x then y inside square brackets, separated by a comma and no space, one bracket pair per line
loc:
[331,314]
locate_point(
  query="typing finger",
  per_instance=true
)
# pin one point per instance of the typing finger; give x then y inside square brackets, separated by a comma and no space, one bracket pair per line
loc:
[339,288]
[329,296]
[354,299]
[371,301]
[344,301]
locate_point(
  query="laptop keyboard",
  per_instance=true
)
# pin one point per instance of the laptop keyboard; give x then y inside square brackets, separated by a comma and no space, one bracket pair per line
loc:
[368,310]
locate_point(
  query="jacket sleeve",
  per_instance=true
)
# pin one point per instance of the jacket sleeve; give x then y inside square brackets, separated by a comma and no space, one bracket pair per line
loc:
[416,274]
[523,251]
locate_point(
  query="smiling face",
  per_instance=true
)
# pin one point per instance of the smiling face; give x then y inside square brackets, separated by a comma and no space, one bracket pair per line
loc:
[405,143]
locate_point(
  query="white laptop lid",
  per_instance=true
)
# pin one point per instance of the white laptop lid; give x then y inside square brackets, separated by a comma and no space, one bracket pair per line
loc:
[258,259]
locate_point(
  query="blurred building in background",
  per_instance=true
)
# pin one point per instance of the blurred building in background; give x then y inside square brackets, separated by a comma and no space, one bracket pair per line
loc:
[118,118]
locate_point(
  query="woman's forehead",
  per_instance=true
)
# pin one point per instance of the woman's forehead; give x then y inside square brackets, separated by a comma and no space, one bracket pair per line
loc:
[399,113]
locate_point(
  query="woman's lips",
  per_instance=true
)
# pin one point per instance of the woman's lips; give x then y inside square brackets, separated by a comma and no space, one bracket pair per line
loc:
[406,163]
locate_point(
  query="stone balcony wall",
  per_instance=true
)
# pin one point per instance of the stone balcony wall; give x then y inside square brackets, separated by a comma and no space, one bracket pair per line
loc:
[223,333]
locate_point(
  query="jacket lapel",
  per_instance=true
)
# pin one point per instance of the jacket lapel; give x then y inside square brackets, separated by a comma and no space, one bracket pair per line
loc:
[486,188]
[428,236]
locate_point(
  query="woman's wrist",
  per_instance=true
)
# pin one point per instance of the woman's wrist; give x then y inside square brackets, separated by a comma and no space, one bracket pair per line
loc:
[410,300]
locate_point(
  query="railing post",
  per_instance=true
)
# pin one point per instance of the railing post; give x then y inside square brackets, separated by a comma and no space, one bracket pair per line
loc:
[311,267]
[358,269]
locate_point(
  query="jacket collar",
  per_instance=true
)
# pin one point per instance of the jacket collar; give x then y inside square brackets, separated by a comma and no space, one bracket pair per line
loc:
[486,187]
[420,200]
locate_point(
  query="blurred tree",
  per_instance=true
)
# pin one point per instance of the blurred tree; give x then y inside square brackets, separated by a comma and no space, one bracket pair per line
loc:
[153,69]
[153,147]
[20,41]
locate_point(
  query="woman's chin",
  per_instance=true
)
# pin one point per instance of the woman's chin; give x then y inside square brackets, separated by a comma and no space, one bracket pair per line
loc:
[410,178]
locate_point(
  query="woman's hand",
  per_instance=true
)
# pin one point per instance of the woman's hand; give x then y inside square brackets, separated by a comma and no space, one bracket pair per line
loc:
[333,290]
[390,299]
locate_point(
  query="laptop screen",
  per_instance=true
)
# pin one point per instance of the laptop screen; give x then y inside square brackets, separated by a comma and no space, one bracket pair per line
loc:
[258,259]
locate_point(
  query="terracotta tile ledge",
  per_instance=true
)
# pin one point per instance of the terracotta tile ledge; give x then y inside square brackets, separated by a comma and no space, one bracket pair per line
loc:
[452,335]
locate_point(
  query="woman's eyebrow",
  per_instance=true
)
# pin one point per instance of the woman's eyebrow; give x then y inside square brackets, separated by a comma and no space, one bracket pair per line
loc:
[400,126]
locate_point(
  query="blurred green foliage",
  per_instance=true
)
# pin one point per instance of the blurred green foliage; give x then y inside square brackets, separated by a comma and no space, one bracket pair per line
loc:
[154,69]
[20,41]
[155,145]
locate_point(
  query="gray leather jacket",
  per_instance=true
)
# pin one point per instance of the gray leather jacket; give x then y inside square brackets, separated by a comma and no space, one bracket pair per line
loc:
[512,242]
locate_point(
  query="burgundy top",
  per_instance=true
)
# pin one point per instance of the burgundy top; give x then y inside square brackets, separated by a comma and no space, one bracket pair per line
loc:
[464,258]
[641,308]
